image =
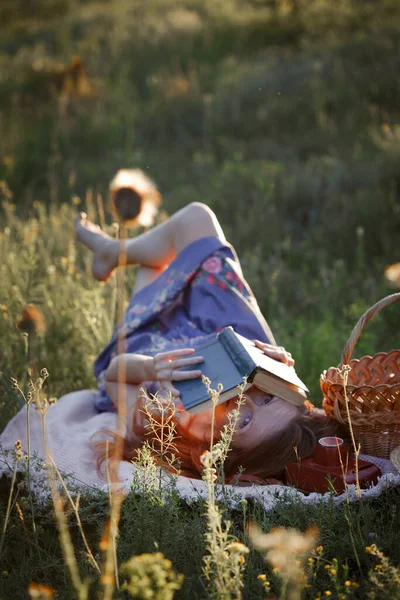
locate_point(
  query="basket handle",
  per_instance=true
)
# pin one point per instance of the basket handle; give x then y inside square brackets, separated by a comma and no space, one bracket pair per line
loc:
[367,316]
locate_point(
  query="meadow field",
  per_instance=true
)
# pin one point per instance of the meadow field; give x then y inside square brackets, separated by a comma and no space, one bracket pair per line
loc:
[281,115]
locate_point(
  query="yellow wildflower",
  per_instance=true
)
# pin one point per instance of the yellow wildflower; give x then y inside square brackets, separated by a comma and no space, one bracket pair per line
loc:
[237,547]
[276,570]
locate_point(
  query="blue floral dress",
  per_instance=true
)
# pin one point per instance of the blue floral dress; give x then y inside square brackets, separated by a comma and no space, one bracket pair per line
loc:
[201,292]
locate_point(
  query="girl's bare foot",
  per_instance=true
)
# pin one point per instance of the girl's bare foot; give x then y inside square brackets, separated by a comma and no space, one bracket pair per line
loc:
[105,248]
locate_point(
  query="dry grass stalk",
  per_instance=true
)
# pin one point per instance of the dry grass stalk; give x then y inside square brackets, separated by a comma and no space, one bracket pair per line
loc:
[81,588]
[18,455]
[160,416]
[110,572]
[344,373]
[225,562]
[75,508]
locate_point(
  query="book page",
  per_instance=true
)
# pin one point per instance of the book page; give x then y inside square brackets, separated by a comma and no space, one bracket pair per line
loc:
[277,368]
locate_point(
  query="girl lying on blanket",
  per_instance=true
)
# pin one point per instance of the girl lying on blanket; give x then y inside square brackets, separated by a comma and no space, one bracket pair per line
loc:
[189,285]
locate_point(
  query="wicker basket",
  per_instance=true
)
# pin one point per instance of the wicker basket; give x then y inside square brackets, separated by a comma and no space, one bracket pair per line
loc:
[373,392]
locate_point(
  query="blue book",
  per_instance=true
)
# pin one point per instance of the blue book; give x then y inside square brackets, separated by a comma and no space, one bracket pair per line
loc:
[228,359]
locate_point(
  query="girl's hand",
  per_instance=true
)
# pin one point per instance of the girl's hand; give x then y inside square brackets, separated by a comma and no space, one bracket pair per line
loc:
[276,352]
[166,364]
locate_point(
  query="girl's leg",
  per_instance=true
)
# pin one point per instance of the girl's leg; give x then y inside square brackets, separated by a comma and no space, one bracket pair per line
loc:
[155,248]
[145,276]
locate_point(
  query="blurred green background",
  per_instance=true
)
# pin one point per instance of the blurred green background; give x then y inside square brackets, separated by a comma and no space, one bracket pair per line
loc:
[282,115]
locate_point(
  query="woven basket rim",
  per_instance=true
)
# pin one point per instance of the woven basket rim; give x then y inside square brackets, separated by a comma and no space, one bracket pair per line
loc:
[355,361]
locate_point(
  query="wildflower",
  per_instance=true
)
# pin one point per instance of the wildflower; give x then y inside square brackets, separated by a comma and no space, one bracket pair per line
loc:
[311,560]
[347,583]
[328,593]
[333,571]
[369,549]
[151,572]
[31,321]
[44,373]
[39,591]
[105,538]
[134,197]
[319,549]
[237,547]
[392,274]
[286,549]
[18,450]
[378,567]
[262,577]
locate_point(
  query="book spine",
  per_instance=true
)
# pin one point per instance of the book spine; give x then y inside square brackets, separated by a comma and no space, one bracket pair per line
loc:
[236,352]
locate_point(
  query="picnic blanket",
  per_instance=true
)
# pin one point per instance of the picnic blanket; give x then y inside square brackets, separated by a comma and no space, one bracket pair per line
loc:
[70,425]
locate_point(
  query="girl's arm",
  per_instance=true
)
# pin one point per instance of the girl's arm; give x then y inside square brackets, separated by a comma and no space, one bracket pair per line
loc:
[163,367]
[130,368]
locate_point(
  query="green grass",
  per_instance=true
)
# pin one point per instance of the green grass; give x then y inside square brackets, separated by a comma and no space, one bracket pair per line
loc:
[284,118]
[177,530]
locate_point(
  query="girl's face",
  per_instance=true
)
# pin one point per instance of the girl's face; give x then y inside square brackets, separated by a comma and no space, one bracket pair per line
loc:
[261,416]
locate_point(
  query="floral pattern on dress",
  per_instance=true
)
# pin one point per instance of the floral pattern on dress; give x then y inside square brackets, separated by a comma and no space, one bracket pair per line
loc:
[201,292]
[220,270]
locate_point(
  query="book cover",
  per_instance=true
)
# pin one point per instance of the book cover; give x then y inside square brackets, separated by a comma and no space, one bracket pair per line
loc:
[228,358]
